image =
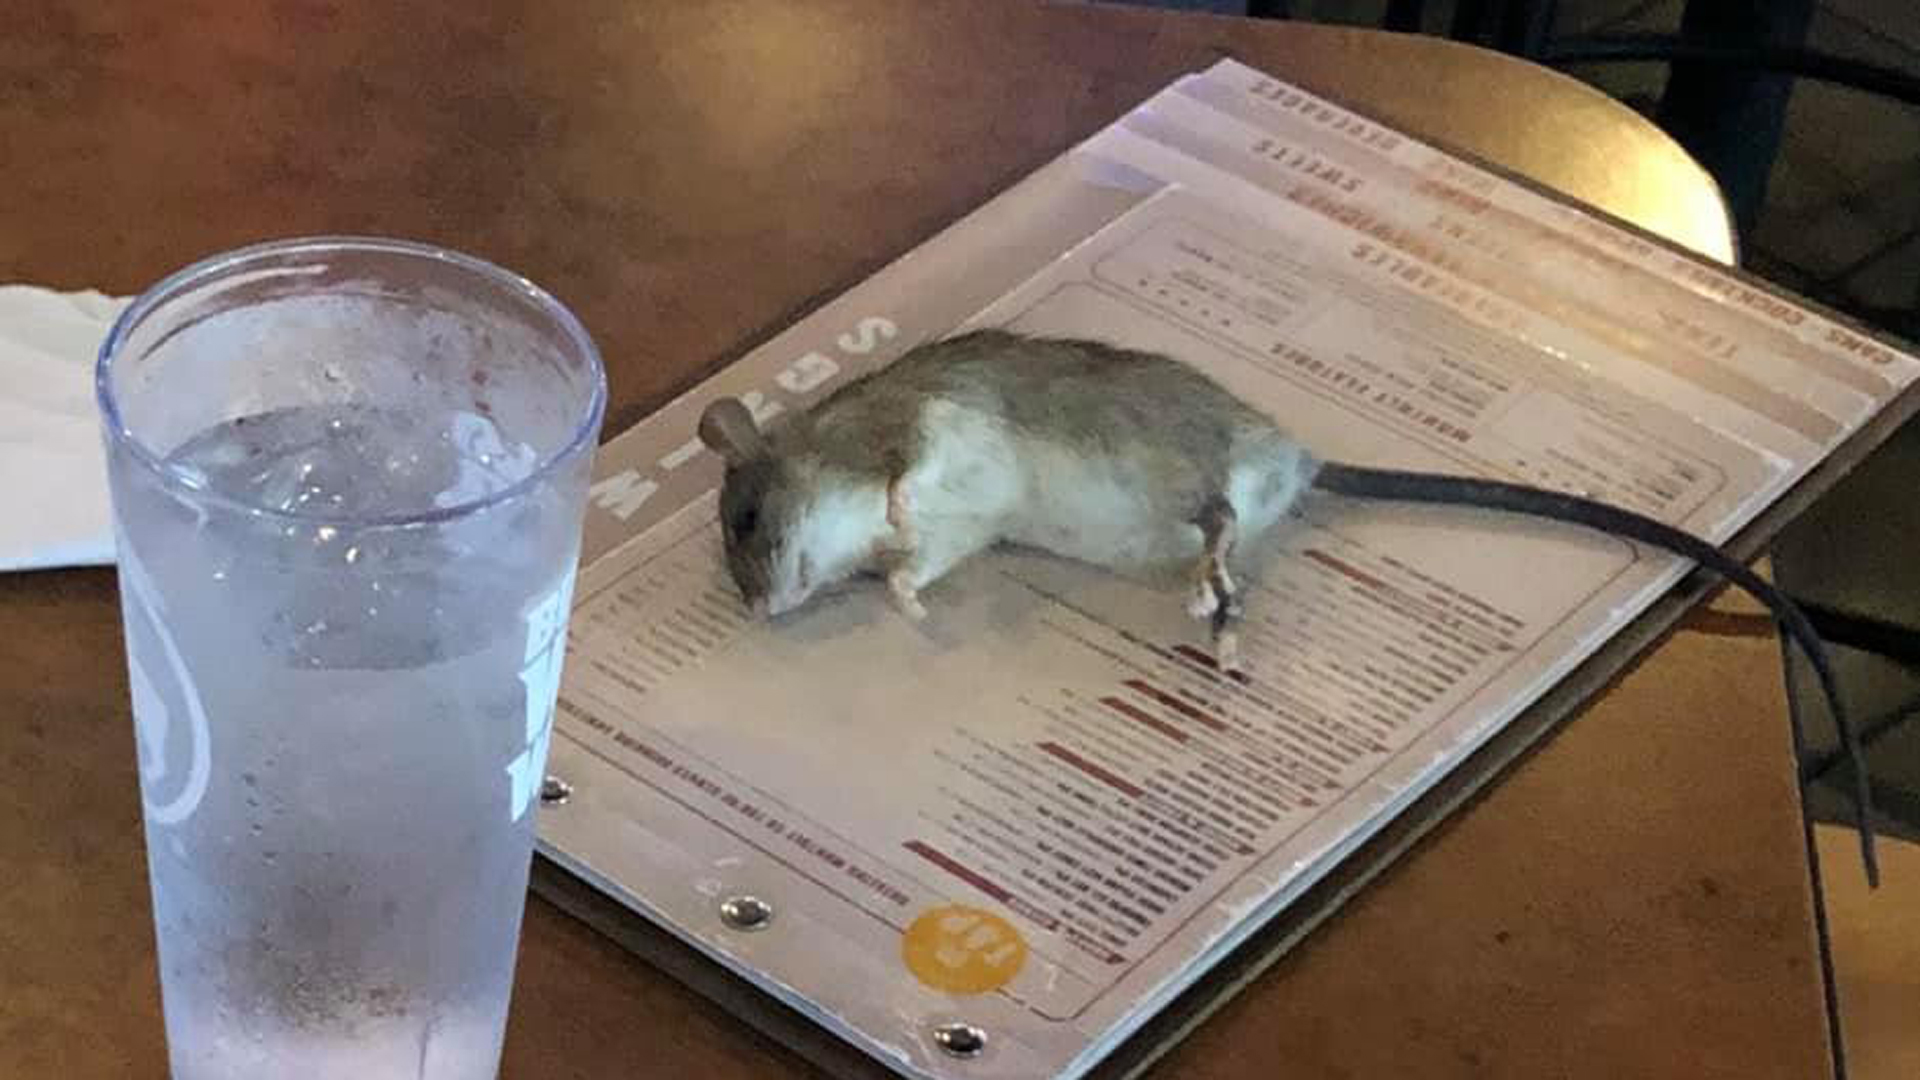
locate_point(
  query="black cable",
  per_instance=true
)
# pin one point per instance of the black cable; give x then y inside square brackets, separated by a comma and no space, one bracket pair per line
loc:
[1829,986]
[1365,482]
[1806,63]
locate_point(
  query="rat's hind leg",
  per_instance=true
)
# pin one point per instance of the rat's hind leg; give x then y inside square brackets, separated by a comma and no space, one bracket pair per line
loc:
[1213,587]
[1215,596]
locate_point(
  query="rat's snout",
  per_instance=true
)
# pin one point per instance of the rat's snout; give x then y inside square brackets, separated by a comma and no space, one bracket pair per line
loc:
[789,585]
[760,608]
[788,597]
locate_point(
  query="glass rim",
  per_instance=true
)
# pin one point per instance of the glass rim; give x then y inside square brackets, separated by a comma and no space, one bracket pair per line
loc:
[218,265]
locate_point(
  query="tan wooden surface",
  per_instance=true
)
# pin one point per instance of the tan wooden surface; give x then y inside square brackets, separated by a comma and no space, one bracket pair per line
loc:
[1632,901]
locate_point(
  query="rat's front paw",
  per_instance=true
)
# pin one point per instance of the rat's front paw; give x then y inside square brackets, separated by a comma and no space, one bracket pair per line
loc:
[905,597]
[900,515]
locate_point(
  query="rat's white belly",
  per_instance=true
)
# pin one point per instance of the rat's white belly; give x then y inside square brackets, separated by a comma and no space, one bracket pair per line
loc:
[1115,512]
[1089,509]
[978,483]
[1105,523]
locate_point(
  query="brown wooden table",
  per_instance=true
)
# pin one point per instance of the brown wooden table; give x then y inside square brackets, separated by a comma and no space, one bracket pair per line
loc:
[1633,900]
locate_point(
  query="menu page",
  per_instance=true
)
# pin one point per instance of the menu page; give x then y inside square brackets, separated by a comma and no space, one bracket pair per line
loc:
[992,843]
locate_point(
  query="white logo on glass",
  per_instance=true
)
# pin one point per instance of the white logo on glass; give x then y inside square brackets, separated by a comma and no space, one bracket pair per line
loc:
[540,676]
[169,797]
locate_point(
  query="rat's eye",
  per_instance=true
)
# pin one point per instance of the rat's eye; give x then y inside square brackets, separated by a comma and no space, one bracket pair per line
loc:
[745,521]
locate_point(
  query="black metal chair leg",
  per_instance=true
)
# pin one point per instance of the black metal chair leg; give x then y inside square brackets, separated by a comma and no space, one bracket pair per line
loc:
[1731,120]
[1405,16]
[1519,27]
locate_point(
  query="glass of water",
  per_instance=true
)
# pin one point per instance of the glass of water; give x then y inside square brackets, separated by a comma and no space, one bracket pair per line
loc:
[348,477]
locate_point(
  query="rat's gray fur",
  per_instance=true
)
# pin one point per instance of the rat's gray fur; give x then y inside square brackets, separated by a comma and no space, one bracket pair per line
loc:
[992,436]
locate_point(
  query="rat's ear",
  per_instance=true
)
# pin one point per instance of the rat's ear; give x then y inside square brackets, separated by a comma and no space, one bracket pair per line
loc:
[728,430]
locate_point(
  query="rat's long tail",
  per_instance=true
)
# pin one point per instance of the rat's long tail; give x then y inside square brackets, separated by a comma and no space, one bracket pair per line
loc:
[1415,487]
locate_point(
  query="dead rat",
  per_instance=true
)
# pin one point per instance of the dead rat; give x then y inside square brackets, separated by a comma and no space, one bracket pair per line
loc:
[1115,457]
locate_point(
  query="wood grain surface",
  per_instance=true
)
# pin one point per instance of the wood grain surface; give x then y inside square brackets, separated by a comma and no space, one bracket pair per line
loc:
[1633,900]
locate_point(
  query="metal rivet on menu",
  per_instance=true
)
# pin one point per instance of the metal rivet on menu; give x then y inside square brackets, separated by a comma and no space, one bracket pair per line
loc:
[960,1040]
[555,791]
[745,912]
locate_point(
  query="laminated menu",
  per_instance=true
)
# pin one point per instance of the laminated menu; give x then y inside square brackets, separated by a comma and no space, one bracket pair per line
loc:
[996,842]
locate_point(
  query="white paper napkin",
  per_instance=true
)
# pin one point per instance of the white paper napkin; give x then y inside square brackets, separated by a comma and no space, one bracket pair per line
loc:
[52,467]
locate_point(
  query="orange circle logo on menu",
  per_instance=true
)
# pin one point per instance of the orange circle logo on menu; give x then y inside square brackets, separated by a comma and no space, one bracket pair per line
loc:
[963,950]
